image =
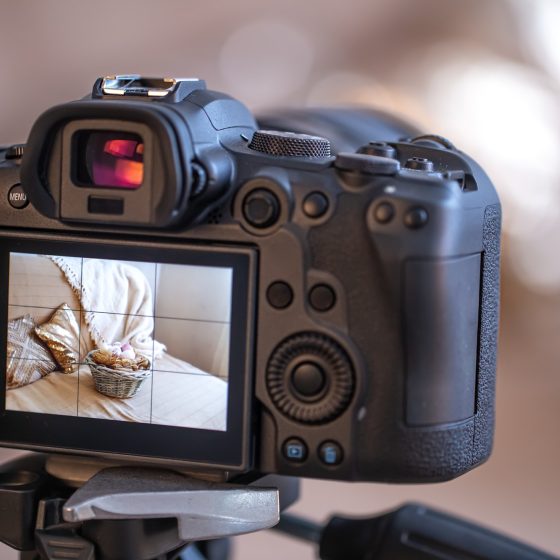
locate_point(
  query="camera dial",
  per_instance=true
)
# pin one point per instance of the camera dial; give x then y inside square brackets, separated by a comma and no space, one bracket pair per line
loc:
[290,144]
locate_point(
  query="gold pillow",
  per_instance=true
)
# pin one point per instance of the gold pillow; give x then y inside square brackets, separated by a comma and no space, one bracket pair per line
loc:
[28,360]
[62,335]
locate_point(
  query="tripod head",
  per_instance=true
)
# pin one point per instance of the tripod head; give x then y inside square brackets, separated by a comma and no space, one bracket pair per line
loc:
[130,512]
[140,513]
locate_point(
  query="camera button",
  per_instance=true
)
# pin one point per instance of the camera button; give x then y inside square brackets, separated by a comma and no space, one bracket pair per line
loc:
[17,197]
[420,164]
[261,208]
[279,295]
[331,453]
[308,380]
[322,297]
[384,212]
[294,450]
[416,217]
[315,205]
[364,163]
[378,149]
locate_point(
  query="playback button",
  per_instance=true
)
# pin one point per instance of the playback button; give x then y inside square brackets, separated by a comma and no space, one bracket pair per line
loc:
[17,197]
[294,450]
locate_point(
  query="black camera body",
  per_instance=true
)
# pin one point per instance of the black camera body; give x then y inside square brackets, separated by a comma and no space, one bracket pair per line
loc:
[363,308]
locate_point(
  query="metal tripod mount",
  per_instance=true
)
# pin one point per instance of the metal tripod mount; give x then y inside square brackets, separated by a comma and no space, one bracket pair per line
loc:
[127,513]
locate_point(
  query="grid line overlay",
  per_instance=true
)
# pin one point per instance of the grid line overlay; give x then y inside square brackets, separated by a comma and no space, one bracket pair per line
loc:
[152,361]
[79,340]
[81,309]
[165,367]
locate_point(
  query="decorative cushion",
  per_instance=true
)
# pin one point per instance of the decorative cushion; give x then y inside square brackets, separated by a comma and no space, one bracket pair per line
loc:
[62,335]
[28,360]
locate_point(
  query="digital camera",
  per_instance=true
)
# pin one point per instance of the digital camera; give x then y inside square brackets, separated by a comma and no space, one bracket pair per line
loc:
[183,288]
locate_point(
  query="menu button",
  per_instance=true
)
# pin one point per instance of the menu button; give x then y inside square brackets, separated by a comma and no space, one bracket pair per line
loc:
[17,197]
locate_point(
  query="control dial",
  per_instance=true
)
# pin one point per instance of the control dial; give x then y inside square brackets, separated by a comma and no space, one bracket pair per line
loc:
[310,378]
[290,144]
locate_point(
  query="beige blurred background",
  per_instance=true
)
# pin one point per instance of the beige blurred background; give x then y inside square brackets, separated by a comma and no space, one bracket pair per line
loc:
[485,73]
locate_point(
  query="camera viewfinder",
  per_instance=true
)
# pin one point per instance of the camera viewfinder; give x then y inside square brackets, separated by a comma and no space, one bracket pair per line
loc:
[108,159]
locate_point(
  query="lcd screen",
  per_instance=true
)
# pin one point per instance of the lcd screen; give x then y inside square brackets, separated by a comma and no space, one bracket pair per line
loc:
[121,340]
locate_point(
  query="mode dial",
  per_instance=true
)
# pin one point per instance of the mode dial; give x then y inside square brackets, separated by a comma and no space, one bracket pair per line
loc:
[290,144]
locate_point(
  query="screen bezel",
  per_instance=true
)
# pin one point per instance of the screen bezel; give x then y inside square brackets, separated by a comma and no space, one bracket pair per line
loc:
[218,449]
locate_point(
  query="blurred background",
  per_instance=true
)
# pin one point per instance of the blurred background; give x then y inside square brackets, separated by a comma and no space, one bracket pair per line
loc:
[485,73]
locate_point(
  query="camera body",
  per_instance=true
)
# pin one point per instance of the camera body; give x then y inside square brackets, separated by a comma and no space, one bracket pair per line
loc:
[363,307]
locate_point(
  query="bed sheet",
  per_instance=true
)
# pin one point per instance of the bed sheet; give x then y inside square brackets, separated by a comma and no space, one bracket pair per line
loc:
[177,393]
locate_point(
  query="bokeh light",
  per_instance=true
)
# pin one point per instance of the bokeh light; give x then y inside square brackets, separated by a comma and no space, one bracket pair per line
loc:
[265,61]
[506,116]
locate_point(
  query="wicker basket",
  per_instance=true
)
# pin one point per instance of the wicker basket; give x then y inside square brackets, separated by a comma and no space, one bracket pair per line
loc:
[121,383]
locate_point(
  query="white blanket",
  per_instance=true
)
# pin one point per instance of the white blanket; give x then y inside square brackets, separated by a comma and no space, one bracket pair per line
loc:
[177,394]
[117,302]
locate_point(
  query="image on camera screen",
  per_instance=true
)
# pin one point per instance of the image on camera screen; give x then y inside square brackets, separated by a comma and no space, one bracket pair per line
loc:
[119,340]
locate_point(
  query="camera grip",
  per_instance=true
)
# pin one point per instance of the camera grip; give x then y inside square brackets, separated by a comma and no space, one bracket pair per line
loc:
[441,303]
